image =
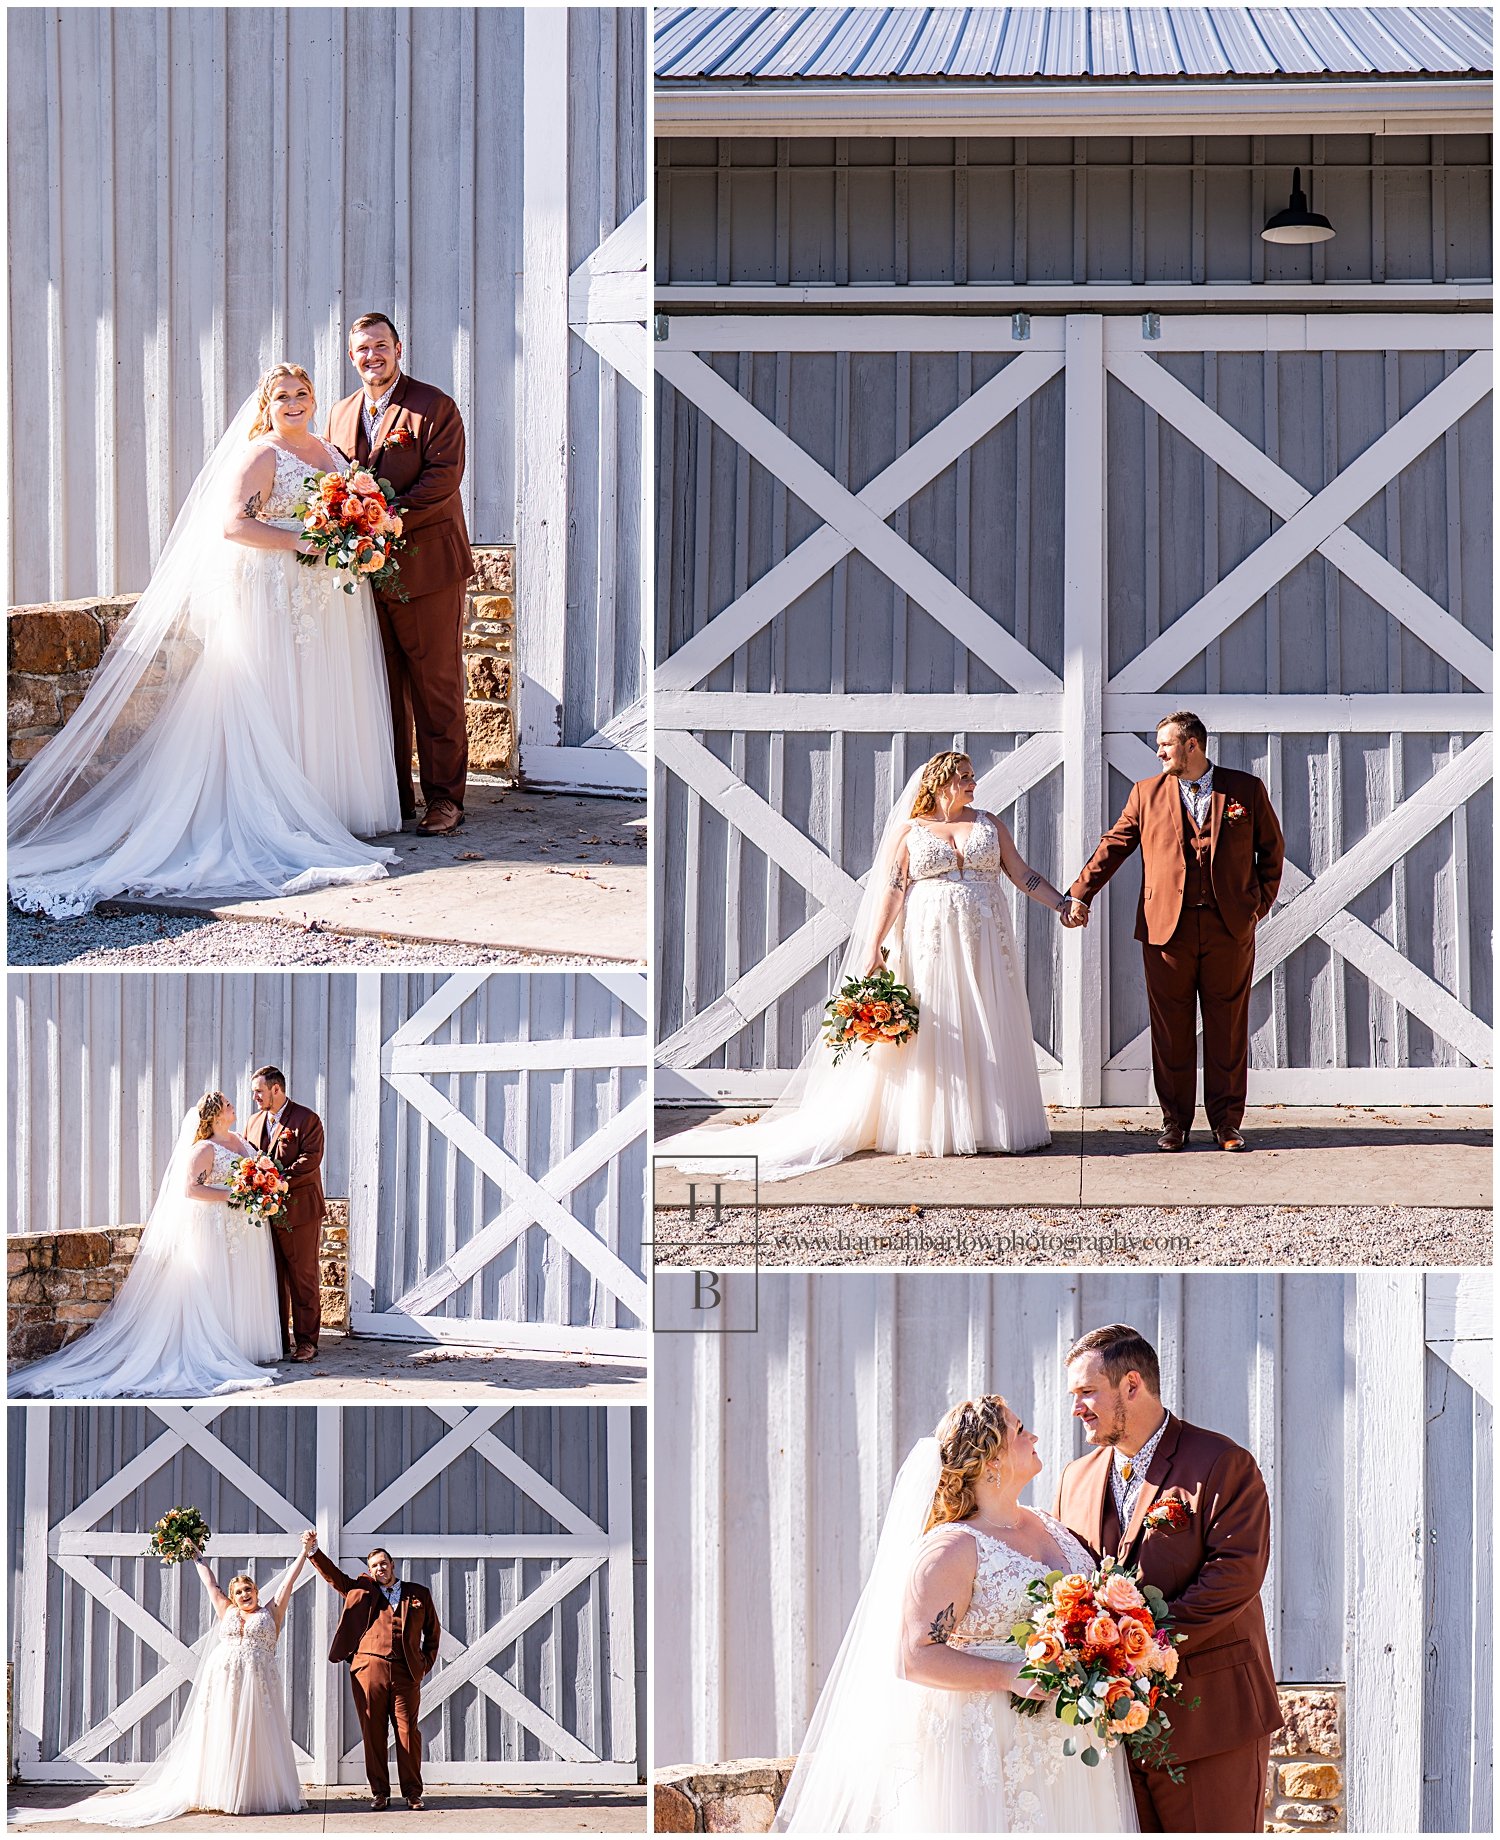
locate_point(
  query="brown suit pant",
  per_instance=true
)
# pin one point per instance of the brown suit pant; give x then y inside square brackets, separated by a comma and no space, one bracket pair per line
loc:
[385,1694]
[1202,964]
[423,641]
[299,1287]
[1223,1794]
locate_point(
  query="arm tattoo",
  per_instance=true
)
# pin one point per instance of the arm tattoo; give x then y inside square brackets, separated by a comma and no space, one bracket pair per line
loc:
[942,1626]
[253,505]
[898,877]
[1033,882]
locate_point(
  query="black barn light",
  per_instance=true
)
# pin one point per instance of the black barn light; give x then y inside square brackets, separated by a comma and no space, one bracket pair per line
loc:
[1296,224]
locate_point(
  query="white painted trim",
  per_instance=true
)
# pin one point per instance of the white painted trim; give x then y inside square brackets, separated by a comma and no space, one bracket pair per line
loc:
[1387,1563]
[1277,331]
[1084,623]
[1081,297]
[364,1148]
[609,299]
[621,1582]
[542,588]
[606,772]
[864,107]
[509,1056]
[1124,712]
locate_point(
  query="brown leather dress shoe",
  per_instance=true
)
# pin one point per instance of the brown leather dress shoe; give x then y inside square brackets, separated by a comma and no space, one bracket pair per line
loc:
[1173,1137]
[380,1803]
[306,1351]
[442,820]
[1228,1138]
[414,1801]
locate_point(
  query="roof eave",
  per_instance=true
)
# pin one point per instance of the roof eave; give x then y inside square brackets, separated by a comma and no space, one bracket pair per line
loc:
[844,106]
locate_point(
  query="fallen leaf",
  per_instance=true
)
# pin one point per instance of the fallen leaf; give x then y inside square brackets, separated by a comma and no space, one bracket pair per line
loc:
[469,856]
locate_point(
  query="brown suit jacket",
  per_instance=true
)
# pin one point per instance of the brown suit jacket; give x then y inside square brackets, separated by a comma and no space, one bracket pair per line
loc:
[363,1603]
[298,1154]
[426,474]
[1245,854]
[1210,1573]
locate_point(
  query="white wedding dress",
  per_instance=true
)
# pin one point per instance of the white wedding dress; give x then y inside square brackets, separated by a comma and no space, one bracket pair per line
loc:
[886,1755]
[966,1082]
[232,1752]
[235,741]
[197,1311]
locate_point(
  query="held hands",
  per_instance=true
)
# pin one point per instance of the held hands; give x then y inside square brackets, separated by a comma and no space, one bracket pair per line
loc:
[309,1543]
[1072,913]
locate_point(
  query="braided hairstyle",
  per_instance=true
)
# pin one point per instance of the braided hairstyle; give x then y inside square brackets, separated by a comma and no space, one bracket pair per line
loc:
[209,1107]
[262,423]
[969,1436]
[935,775]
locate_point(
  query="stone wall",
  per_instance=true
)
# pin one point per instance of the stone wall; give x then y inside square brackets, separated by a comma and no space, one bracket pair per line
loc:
[1305,1788]
[54,648]
[57,1284]
[1307,1783]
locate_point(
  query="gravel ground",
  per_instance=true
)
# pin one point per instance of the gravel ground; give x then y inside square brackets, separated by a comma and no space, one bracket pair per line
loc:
[1143,1236]
[108,937]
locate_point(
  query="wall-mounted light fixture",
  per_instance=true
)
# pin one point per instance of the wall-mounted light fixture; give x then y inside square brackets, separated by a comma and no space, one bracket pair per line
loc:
[1296,224]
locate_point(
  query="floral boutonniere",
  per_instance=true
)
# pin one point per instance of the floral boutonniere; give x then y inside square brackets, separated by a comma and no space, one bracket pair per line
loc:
[1170,1515]
[1234,812]
[400,437]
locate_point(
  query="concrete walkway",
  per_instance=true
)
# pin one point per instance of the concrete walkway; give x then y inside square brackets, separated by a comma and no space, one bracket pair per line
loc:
[360,1370]
[530,871]
[472,1809]
[1301,1156]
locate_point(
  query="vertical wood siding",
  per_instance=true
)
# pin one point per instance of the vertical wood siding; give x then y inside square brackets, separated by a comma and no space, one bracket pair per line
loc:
[195,193]
[830,212]
[563,1661]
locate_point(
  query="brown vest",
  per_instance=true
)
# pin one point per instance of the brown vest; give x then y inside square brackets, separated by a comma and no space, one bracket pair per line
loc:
[1197,847]
[385,1634]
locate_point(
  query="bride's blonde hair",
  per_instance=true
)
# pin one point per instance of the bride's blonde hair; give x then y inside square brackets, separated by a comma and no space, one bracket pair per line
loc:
[262,423]
[238,1579]
[209,1107]
[969,1436]
[935,775]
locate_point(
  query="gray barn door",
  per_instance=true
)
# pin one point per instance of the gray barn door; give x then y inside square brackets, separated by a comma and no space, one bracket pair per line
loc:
[518,1519]
[498,1186]
[1032,537]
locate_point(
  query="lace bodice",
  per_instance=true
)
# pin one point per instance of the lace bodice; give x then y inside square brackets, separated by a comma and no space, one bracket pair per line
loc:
[931,855]
[999,1598]
[287,488]
[218,1171]
[257,1631]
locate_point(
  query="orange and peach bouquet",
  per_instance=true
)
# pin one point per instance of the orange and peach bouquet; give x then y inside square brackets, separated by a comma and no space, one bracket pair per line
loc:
[1101,1645]
[347,517]
[868,1010]
[259,1187]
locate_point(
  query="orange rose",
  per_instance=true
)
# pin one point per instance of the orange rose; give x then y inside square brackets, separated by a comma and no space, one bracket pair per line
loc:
[395,526]
[363,482]
[1117,1593]
[1115,1692]
[881,1011]
[1168,1663]
[1071,1592]
[1135,1640]
[1046,1648]
[1102,1632]
[843,1007]
[1134,1719]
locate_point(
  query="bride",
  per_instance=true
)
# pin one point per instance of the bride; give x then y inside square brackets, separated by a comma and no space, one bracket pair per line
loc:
[239,728]
[967,1081]
[198,1308]
[232,1750]
[914,1731]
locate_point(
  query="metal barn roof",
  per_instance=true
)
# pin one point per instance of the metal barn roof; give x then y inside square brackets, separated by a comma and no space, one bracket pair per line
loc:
[696,44]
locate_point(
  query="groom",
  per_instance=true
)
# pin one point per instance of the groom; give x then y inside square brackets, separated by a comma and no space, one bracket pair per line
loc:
[389,1635]
[1211,854]
[292,1136]
[1210,1568]
[412,435]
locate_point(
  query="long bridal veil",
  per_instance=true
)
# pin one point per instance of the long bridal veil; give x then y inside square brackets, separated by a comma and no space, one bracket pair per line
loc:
[859,1766]
[174,775]
[825,1112]
[162,1337]
[161,1795]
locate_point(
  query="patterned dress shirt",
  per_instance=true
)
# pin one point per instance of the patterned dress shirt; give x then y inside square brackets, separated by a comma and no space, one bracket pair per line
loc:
[1196,794]
[372,416]
[1127,1491]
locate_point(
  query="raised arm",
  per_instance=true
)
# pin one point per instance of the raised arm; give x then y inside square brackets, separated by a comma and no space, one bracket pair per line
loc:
[937,1597]
[196,1187]
[211,1584]
[898,878]
[327,1570]
[1030,881]
[284,1596]
[253,485]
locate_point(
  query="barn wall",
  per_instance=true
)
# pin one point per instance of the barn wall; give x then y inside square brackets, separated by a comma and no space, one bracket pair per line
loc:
[432,1201]
[195,193]
[825,212]
[808,1421]
[562,1662]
